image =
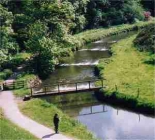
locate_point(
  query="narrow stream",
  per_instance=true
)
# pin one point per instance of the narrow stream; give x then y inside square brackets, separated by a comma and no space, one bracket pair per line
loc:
[104,121]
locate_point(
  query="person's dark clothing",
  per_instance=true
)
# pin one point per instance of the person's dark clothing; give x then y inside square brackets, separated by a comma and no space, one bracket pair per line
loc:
[56,122]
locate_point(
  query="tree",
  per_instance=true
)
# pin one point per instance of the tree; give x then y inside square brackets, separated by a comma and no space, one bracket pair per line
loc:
[110,12]
[8,43]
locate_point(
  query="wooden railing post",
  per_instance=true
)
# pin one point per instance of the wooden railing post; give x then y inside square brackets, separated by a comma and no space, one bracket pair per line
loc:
[31,93]
[58,88]
[89,84]
[76,86]
[45,90]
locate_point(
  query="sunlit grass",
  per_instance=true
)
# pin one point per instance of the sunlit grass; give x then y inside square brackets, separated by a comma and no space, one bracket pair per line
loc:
[10,131]
[127,70]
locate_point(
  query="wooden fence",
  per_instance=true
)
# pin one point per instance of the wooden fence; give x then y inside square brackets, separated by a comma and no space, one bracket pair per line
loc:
[13,85]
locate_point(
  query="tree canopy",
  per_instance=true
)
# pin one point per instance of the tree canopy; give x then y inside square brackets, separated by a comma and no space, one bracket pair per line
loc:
[45,28]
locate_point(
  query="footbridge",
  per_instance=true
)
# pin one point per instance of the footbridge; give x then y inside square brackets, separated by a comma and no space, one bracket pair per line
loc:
[62,88]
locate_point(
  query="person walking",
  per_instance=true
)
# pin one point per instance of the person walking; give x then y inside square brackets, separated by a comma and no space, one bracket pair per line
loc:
[56,123]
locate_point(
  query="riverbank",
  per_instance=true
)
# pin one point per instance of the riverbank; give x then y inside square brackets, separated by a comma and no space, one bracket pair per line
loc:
[98,34]
[11,131]
[129,81]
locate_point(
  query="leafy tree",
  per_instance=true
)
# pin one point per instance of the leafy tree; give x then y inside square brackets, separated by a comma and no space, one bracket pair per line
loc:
[109,12]
[80,7]
[8,43]
[41,46]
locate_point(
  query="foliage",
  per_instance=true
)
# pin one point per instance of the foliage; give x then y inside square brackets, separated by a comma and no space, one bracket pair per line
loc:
[8,44]
[80,20]
[147,15]
[45,28]
[34,109]
[16,60]
[109,12]
[6,73]
[13,132]
[127,71]
[145,39]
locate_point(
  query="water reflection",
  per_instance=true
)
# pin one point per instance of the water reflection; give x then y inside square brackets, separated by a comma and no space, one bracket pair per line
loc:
[118,124]
[104,121]
[93,111]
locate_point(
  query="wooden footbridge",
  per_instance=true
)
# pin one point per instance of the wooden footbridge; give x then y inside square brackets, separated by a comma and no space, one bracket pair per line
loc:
[66,88]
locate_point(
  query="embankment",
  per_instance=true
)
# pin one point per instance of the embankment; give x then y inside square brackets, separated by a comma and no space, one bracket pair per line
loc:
[129,80]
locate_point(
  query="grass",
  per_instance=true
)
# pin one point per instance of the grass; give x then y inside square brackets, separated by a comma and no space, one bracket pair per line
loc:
[97,34]
[10,131]
[22,92]
[43,112]
[26,76]
[127,70]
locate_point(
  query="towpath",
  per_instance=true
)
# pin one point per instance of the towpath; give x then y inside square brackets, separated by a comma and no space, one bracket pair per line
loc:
[12,112]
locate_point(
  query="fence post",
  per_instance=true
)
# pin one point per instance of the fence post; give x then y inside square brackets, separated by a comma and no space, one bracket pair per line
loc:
[138,93]
[14,85]
[23,83]
[116,87]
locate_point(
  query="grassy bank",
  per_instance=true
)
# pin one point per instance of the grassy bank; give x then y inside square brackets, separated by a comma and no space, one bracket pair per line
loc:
[43,112]
[97,34]
[10,131]
[129,80]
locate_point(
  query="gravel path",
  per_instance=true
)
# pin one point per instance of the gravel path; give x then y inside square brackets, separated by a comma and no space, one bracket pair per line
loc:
[11,111]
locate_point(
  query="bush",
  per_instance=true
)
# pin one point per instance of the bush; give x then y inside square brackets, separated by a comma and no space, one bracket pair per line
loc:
[5,74]
[16,61]
[145,39]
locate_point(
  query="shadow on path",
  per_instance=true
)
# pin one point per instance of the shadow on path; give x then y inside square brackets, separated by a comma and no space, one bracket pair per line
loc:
[48,136]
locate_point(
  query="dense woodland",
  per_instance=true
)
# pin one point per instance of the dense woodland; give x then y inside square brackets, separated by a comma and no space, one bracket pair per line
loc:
[44,29]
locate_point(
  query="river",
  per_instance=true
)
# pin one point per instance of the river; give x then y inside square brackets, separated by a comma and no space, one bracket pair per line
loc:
[104,121]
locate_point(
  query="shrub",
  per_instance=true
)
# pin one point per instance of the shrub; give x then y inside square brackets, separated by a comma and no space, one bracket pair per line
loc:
[5,74]
[145,39]
[147,15]
[16,60]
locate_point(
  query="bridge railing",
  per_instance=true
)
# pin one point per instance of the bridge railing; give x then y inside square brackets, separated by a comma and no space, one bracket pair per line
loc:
[68,86]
